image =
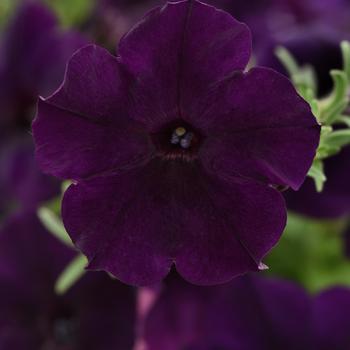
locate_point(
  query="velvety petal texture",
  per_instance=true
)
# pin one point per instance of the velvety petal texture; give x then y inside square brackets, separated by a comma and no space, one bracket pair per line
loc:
[174,150]
[252,135]
[179,67]
[249,313]
[202,224]
[88,116]
[97,313]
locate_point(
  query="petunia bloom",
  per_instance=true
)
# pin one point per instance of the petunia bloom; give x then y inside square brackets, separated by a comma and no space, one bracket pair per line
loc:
[249,313]
[22,185]
[97,313]
[175,152]
[33,55]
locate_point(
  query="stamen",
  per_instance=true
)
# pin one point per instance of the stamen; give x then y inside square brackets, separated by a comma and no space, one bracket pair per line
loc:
[182,137]
[180,131]
[186,140]
[175,139]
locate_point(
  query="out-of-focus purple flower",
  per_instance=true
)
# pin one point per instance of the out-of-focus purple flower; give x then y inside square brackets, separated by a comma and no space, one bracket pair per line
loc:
[97,313]
[175,151]
[334,200]
[22,185]
[310,29]
[249,313]
[331,319]
[33,56]
[113,18]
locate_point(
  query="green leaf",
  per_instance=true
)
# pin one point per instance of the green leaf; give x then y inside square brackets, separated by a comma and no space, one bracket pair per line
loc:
[344,119]
[54,225]
[311,252]
[345,48]
[71,274]
[303,77]
[317,173]
[338,101]
[326,151]
[287,60]
[65,185]
[338,138]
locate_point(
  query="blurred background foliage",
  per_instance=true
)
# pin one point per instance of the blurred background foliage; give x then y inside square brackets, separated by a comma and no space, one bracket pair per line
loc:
[71,13]
[6,9]
[311,252]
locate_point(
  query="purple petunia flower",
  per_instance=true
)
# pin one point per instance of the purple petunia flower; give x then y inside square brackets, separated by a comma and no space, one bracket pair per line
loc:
[249,313]
[33,55]
[174,150]
[22,185]
[97,313]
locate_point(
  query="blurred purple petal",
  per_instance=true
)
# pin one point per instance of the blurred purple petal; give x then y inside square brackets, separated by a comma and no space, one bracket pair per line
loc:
[96,313]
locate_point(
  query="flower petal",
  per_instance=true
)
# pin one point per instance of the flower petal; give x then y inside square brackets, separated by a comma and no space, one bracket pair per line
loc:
[83,129]
[332,319]
[248,313]
[22,184]
[259,127]
[120,225]
[31,260]
[175,56]
[231,227]
[107,312]
[35,47]
[18,338]
[25,249]
[136,224]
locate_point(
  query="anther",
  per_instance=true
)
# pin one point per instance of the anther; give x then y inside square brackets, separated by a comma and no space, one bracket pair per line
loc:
[182,137]
[180,131]
[186,140]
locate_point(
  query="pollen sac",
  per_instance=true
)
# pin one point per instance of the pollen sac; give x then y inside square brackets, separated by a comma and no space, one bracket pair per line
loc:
[181,137]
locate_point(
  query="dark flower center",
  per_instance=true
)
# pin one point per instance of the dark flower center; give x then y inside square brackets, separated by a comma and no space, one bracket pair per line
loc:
[178,140]
[181,137]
